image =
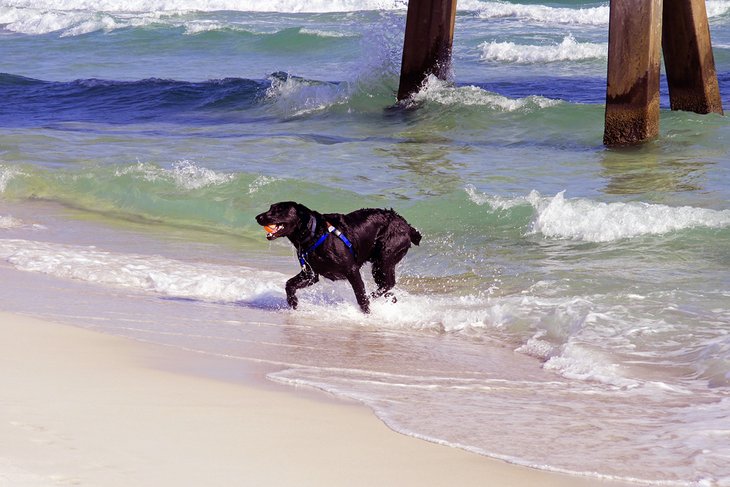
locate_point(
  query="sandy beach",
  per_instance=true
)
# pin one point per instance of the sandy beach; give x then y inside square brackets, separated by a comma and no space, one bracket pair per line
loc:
[83,408]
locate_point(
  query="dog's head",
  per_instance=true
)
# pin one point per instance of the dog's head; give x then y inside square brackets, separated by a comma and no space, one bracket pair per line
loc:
[284,219]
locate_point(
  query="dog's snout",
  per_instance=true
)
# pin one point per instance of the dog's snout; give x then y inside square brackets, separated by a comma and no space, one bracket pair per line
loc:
[260,218]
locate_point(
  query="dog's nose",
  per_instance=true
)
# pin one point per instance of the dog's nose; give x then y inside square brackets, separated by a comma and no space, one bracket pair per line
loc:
[260,218]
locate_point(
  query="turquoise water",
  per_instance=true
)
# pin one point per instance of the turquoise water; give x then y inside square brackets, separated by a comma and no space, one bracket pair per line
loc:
[568,308]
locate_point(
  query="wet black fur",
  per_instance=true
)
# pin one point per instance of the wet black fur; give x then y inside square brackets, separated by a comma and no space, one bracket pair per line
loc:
[379,236]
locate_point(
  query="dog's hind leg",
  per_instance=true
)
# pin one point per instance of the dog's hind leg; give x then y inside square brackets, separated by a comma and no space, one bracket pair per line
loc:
[384,276]
[393,246]
[358,286]
[303,279]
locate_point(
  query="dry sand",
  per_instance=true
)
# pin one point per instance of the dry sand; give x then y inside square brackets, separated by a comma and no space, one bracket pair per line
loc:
[83,408]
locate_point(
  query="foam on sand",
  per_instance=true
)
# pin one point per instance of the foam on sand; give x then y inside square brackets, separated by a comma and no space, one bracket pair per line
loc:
[9,222]
[143,273]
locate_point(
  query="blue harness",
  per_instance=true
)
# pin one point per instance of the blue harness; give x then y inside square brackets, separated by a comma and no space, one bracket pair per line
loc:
[330,229]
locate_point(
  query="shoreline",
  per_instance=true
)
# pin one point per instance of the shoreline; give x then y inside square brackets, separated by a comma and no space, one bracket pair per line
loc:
[85,408]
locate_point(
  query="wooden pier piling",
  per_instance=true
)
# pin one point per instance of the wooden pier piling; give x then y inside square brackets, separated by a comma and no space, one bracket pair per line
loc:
[427,45]
[634,57]
[638,31]
[688,58]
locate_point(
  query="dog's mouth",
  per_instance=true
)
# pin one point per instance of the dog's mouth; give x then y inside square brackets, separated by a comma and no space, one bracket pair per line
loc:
[273,230]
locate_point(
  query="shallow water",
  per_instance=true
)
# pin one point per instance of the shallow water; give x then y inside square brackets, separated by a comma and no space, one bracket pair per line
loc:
[567,308]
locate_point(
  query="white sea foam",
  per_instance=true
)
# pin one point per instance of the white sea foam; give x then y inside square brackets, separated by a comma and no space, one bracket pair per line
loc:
[542,13]
[548,328]
[486,9]
[8,222]
[36,21]
[557,324]
[593,221]
[285,6]
[104,23]
[69,22]
[143,273]
[716,8]
[192,28]
[581,219]
[567,50]
[294,97]
[220,283]
[499,202]
[7,173]
[186,175]
[260,182]
[578,362]
[324,33]
[596,16]
[438,91]
[76,17]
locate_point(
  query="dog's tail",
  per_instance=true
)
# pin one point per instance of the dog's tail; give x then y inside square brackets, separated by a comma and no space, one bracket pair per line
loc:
[415,235]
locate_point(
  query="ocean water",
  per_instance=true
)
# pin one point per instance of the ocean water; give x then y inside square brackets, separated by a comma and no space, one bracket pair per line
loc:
[568,308]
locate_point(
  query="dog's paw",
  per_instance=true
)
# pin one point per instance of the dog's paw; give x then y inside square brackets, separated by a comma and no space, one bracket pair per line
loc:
[390,296]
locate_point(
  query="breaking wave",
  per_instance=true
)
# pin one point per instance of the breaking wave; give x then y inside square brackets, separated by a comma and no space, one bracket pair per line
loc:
[143,273]
[567,50]
[592,221]
[442,92]
[544,14]
[78,17]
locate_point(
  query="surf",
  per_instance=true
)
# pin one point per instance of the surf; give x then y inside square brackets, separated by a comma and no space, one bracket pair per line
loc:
[593,221]
[567,50]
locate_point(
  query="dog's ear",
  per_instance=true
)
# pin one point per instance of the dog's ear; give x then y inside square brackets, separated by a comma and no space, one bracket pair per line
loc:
[303,213]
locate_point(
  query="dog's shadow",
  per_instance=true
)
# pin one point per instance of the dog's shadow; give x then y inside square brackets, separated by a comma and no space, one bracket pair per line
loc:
[266,301]
[271,300]
[276,302]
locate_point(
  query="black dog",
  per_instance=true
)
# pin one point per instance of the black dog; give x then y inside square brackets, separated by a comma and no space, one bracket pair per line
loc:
[379,236]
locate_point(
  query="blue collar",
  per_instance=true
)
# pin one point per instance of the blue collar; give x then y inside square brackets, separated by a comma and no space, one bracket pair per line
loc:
[330,229]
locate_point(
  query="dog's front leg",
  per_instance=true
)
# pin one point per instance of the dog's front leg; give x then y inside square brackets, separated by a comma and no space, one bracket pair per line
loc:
[358,286]
[301,280]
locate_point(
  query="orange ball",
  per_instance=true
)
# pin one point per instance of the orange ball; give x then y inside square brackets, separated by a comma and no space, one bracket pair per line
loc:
[270,229]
